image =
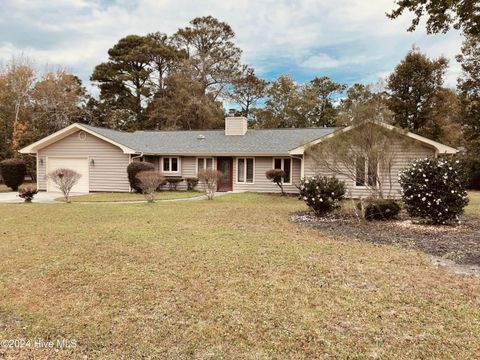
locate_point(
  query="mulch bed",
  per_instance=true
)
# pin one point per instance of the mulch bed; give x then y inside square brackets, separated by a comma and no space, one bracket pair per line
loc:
[460,244]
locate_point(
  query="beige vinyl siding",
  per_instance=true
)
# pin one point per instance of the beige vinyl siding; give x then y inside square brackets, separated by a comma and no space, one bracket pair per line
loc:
[109,172]
[188,168]
[403,158]
[260,182]
[41,173]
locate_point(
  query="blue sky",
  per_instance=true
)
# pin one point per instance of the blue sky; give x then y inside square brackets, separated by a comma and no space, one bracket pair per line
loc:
[348,40]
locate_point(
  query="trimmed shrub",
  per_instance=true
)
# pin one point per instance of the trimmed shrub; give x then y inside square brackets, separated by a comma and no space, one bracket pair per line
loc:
[433,189]
[149,181]
[27,193]
[191,183]
[162,184]
[322,194]
[173,182]
[133,169]
[13,172]
[380,209]
[276,176]
[65,180]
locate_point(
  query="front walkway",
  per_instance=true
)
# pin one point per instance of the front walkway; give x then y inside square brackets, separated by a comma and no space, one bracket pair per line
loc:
[49,198]
[42,197]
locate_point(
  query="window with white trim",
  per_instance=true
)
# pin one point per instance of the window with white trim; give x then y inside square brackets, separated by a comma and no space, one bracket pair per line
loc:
[170,164]
[284,164]
[245,170]
[366,172]
[204,163]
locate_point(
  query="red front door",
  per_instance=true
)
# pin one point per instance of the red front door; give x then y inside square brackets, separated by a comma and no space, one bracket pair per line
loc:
[225,166]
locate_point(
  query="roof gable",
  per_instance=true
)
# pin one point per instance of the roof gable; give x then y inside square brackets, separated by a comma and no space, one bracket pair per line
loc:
[61,134]
[439,147]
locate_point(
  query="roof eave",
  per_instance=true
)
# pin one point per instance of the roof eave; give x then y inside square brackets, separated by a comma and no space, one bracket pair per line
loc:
[226,154]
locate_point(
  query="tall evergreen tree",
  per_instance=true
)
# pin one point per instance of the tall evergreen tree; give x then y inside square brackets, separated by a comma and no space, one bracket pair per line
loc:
[124,78]
[414,86]
[282,106]
[469,87]
[363,103]
[213,58]
[319,100]
[247,90]
[164,57]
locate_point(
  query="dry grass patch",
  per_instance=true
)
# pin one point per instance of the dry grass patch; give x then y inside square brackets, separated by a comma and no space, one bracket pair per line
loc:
[232,278]
[4,188]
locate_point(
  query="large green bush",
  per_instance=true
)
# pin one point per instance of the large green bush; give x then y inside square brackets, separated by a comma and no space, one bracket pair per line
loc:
[13,172]
[433,189]
[133,169]
[322,194]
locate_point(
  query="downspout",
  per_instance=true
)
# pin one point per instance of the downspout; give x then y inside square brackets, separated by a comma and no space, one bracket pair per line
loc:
[135,157]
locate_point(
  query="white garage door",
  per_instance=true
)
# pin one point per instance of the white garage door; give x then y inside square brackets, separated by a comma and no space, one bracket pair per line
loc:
[79,165]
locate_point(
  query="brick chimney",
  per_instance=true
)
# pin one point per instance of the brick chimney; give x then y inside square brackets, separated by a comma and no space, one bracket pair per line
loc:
[236,125]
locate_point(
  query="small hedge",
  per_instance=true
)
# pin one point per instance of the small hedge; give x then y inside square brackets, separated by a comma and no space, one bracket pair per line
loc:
[27,193]
[173,182]
[322,194]
[133,169]
[433,189]
[191,183]
[380,209]
[13,172]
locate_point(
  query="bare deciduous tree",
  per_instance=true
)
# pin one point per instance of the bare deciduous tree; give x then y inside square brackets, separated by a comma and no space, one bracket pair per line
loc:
[209,179]
[148,182]
[58,100]
[369,148]
[65,180]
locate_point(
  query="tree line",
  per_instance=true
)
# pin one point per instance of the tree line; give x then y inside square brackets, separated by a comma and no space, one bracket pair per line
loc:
[183,80]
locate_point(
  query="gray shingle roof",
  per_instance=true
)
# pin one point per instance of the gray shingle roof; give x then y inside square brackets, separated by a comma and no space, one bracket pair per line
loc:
[268,141]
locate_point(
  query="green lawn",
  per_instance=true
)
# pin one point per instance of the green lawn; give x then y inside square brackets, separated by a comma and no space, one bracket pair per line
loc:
[118,197]
[473,207]
[225,279]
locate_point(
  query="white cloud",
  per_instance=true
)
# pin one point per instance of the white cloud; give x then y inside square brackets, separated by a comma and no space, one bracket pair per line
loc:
[324,61]
[321,61]
[350,39]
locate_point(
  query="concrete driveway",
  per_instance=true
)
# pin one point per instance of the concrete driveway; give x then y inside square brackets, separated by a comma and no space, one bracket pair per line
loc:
[42,197]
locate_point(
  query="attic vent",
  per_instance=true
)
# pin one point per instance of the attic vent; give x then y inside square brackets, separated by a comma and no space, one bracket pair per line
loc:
[82,135]
[200,137]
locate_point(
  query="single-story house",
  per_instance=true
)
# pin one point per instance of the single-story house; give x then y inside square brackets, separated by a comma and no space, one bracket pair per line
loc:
[243,155]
